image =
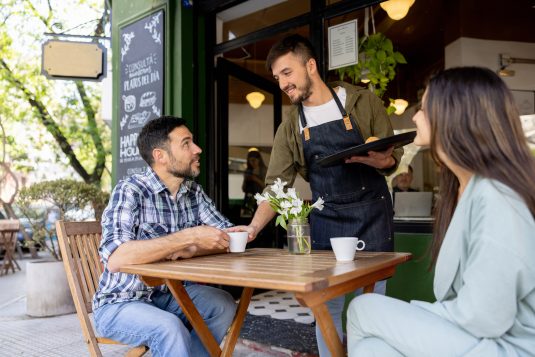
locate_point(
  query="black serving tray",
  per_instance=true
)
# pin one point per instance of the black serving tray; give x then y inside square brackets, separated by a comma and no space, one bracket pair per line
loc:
[362,150]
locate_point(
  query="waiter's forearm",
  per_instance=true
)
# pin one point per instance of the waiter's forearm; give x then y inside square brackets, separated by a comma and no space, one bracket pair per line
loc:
[262,216]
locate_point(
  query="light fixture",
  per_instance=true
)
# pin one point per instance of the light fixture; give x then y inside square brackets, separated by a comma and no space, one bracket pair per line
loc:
[506,61]
[364,76]
[400,105]
[397,9]
[255,99]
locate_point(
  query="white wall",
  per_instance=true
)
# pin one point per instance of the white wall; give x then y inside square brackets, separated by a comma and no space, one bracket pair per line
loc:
[254,127]
[475,52]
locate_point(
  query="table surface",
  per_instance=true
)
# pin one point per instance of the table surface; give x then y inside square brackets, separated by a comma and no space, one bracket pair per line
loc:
[273,269]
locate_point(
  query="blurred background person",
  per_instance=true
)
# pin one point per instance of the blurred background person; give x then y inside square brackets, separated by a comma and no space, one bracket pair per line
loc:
[253,181]
[403,181]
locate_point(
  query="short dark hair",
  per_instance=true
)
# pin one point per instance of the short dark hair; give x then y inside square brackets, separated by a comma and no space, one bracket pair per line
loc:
[296,44]
[155,134]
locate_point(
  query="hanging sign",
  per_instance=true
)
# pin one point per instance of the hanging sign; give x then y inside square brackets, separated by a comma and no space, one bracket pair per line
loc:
[73,60]
[343,44]
[141,87]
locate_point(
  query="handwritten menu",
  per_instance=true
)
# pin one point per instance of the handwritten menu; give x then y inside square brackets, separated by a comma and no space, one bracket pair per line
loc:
[141,87]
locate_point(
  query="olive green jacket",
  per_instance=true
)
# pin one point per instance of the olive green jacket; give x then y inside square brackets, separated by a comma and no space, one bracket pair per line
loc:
[287,157]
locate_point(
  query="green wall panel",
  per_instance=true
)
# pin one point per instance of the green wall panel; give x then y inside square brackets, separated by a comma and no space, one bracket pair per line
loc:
[412,280]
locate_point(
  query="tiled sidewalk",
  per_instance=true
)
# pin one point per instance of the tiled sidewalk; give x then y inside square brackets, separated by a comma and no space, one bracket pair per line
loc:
[262,336]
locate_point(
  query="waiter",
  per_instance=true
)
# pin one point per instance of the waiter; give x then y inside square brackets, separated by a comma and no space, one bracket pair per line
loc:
[323,121]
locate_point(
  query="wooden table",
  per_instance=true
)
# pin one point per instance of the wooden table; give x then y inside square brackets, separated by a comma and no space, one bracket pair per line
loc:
[8,242]
[314,279]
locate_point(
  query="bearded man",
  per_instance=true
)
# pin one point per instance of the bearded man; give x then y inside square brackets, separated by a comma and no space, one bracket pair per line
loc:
[326,119]
[160,214]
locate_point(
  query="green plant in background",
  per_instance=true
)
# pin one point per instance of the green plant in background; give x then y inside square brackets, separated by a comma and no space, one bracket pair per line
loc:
[377,61]
[70,199]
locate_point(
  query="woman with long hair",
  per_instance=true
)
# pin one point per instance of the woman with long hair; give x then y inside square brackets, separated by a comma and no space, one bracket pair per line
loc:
[253,181]
[484,236]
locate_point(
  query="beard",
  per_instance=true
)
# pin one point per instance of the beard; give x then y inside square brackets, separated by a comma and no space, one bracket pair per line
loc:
[185,171]
[305,91]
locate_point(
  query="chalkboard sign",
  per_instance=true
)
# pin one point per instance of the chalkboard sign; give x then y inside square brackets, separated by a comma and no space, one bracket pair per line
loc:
[141,87]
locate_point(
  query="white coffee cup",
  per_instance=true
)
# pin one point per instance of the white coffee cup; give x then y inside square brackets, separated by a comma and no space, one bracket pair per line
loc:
[238,241]
[344,247]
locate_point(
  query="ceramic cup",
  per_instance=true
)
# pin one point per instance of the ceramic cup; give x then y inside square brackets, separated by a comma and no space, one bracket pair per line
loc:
[238,241]
[344,247]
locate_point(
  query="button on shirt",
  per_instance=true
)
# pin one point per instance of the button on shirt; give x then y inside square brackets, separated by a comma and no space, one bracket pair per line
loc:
[142,208]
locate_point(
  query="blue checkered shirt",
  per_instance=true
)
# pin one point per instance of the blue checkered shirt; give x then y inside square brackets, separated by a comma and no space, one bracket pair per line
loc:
[140,208]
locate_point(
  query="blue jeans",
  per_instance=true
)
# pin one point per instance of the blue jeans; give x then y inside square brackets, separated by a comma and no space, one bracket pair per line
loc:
[162,326]
[336,308]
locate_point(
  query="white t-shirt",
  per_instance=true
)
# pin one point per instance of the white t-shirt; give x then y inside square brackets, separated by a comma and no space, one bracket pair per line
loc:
[324,113]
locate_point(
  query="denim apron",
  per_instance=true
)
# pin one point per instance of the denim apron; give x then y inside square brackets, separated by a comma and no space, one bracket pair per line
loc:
[357,200]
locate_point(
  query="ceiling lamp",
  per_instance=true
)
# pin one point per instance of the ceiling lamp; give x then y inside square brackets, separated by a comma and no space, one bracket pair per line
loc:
[255,99]
[364,76]
[397,9]
[400,105]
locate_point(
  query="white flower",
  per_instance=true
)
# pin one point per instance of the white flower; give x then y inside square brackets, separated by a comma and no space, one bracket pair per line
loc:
[318,204]
[291,193]
[261,198]
[296,210]
[286,204]
[297,202]
[278,188]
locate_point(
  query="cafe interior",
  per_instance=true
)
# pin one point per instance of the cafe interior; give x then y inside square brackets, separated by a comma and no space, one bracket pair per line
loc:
[240,106]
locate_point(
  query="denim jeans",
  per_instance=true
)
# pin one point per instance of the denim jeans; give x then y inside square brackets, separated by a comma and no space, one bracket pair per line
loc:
[336,308]
[162,326]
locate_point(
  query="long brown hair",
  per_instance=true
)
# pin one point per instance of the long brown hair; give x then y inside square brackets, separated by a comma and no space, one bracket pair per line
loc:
[476,123]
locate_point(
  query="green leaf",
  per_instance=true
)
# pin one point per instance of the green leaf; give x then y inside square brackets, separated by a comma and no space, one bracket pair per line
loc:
[399,58]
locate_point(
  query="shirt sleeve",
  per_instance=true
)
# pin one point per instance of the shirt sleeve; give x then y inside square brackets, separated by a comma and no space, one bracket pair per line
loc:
[118,220]
[281,164]
[497,274]
[208,213]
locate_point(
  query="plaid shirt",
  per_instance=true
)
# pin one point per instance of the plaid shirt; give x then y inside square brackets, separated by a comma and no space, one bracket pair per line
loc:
[140,208]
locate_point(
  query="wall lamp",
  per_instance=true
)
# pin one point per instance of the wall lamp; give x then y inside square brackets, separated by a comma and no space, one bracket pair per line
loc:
[506,61]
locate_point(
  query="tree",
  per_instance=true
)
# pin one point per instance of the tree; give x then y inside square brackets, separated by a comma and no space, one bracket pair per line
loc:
[66,111]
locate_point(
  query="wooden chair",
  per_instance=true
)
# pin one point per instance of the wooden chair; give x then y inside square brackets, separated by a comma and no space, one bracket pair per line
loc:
[79,242]
[8,242]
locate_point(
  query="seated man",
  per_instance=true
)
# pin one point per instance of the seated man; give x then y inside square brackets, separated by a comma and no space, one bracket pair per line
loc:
[160,214]
[403,181]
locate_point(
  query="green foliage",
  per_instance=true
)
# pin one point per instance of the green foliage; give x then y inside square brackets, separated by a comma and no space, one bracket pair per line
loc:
[70,198]
[58,125]
[378,61]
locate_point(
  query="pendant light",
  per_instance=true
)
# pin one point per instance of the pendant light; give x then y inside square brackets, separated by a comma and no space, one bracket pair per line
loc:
[397,9]
[255,99]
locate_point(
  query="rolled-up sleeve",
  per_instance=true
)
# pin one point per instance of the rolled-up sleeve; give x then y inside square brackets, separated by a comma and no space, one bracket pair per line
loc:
[118,220]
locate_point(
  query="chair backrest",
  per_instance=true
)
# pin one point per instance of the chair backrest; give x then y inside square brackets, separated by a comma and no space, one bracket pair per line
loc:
[78,242]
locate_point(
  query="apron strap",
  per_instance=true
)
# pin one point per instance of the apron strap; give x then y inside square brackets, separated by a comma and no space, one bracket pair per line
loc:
[347,121]
[304,124]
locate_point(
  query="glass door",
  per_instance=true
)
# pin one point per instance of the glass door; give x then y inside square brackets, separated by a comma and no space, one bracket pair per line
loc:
[249,109]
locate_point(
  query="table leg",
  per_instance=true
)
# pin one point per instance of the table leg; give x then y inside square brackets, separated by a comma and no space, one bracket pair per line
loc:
[235,327]
[326,324]
[196,320]
[369,288]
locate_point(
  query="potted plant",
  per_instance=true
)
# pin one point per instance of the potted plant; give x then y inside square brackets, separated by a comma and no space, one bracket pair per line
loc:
[377,63]
[47,290]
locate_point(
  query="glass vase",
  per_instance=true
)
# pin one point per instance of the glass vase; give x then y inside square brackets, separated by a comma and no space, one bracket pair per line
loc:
[299,236]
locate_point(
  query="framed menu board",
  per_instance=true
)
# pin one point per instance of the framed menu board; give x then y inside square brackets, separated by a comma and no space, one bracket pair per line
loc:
[141,85]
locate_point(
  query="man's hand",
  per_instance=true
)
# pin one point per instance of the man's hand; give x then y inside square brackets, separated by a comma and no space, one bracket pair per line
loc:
[249,229]
[376,159]
[209,238]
